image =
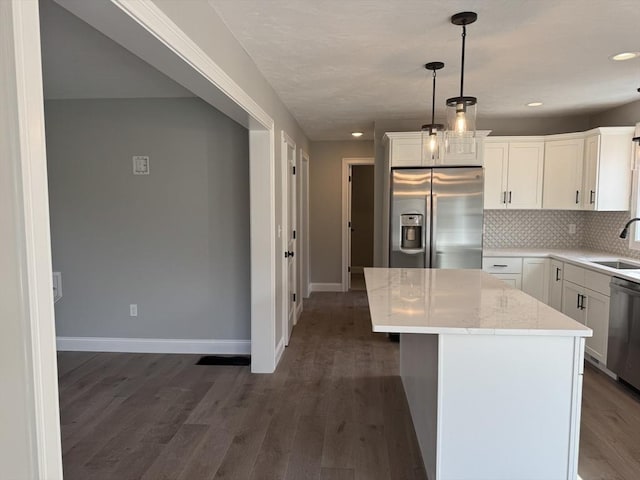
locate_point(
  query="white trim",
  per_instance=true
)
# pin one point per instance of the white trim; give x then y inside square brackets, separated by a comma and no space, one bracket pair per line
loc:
[279,350]
[153,345]
[37,259]
[304,227]
[347,163]
[299,309]
[325,287]
[154,20]
[287,142]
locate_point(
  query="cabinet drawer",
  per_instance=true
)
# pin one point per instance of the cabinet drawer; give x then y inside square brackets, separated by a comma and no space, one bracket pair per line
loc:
[597,282]
[502,264]
[574,274]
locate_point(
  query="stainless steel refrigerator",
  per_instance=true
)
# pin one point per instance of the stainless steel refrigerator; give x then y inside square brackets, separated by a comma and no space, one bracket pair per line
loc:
[436,217]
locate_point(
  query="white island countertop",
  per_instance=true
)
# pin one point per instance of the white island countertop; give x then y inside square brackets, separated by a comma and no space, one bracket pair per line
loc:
[441,301]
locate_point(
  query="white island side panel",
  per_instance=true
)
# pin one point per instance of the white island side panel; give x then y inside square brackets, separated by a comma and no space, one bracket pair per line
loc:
[494,407]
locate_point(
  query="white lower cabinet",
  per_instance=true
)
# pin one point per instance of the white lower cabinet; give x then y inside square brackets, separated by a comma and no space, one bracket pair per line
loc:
[555,284]
[531,275]
[507,269]
[585,298]
[535,278]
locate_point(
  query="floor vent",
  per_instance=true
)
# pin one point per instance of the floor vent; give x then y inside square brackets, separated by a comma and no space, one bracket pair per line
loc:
[240,361]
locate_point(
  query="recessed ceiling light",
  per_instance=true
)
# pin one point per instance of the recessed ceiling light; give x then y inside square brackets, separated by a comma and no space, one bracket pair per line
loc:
[357,134]
[624,56]
[534,104]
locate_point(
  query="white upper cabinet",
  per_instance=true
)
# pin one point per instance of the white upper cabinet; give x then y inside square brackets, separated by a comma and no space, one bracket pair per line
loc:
[563,163]
[404,149]
[513,173]
[607,169]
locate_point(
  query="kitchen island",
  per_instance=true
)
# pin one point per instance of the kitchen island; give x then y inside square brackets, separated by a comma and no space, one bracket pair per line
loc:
[493,377]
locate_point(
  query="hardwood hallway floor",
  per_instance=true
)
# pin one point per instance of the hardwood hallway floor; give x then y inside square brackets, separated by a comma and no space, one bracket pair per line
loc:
[334,409]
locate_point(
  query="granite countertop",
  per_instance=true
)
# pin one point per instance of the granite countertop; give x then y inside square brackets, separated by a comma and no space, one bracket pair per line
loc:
[582,258]
[439,301]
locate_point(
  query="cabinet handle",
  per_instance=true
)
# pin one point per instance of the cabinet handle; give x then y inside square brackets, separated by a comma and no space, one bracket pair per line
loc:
[578,303]
[504,197]
[582,305]
[577,196]
[495,265]
[592,198]
[510,197]
[557,274]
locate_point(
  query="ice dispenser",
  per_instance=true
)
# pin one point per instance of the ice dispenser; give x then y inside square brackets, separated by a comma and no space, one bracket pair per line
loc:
[411,232]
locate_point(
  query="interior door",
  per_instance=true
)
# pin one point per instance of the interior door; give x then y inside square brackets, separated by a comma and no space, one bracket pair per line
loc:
[291,240]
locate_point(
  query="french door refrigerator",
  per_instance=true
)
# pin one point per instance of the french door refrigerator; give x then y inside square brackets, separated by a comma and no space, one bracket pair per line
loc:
[436,217]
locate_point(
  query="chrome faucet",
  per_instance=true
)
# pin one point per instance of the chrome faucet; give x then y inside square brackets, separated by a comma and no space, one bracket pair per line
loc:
[625,230]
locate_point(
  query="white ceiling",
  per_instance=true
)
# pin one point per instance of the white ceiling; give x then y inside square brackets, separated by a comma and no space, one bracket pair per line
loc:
[341,65]
[80,62]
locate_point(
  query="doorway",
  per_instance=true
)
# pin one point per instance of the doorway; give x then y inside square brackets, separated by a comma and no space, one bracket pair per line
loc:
[357,215]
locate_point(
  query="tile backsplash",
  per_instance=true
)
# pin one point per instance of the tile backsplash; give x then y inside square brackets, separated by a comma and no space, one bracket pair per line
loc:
[532,229]
[550,229]
[602,230]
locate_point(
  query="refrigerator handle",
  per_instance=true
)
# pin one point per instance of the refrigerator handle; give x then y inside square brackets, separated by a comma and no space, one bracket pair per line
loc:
[434,228]
[426,241]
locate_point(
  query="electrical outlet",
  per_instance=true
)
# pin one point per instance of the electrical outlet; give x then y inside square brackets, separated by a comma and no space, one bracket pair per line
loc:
[572,229]
[133,310]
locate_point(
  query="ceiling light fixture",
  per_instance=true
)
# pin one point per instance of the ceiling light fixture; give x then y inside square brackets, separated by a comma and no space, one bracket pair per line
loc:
[357,134]
[619,57]
[461,110]
[432,132]
[534,104]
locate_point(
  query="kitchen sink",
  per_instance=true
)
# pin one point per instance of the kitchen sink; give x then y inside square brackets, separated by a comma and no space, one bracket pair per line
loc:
[617,264]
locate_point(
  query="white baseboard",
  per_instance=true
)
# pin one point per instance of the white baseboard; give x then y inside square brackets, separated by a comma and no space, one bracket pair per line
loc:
[599,366]
[299,309]
[154,345]
[326,287]
[279,351]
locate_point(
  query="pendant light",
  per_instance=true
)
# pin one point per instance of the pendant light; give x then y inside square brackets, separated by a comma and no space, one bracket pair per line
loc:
[432,132]
[461,110]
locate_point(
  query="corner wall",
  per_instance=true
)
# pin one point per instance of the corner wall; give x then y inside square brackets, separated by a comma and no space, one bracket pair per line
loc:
[175,242]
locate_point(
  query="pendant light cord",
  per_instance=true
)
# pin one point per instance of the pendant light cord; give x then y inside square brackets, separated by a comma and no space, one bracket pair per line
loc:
[464,35]
[433,100]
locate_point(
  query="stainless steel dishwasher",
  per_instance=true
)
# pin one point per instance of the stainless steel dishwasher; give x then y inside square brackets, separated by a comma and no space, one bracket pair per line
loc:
[623,352]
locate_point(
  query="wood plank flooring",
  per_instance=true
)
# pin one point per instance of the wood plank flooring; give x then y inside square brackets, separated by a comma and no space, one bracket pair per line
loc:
[334,410]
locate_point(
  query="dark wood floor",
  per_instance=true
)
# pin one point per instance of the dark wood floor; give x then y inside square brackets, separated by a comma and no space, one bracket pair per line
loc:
[334,409]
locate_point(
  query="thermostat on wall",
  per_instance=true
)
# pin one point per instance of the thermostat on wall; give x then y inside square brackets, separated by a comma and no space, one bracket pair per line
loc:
[140,165]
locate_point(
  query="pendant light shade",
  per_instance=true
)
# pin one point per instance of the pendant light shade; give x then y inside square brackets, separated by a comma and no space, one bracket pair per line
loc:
[461,110]
[432,133]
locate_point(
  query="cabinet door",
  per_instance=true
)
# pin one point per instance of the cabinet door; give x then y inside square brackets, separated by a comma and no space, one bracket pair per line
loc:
[495,175]
[406,152]
[535,278]
[571,301]
[512,279]
[590,174]
[524,176]
[597,319]
[555,285]
[562,184]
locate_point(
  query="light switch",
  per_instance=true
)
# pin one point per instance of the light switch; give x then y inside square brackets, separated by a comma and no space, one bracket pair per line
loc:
[57,286]
[140,165]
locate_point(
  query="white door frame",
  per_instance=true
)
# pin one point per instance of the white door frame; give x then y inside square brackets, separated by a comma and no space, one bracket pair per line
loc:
[287,202]
[347,163]
[145,30]
[27,318]
[304,223]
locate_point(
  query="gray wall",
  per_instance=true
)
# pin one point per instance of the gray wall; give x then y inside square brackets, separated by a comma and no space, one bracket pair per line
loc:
[362,196]
[175,242]
[325,205]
